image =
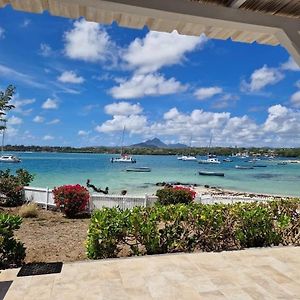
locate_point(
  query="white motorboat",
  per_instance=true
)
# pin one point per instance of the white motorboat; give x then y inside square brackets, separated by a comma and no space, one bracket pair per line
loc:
[212,160]
[123,159]
[187,158]
[9,159]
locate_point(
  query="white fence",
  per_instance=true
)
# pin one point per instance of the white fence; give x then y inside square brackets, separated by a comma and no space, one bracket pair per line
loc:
[44,197]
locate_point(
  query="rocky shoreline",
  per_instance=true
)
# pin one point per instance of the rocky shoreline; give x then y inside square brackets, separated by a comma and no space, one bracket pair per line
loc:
[218,191]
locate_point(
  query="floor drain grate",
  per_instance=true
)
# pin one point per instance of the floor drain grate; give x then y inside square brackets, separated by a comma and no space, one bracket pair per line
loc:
[40,269]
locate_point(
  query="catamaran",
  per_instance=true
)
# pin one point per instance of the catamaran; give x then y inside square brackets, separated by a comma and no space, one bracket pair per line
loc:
[123,158]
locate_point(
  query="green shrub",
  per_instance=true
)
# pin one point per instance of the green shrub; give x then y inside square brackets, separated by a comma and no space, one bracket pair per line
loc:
[175,195]
[11,186]
[71,199]
[181,227]
[12,252]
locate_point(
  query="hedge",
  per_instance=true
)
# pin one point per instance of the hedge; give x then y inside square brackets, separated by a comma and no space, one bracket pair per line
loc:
[193,227]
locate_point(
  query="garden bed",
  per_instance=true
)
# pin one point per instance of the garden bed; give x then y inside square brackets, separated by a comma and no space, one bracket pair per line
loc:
[51,236]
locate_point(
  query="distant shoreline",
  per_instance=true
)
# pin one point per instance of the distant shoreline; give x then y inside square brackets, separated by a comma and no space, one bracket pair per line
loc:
[200,151]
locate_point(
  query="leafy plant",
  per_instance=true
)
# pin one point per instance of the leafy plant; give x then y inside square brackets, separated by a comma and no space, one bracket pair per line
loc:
[190,227]
[71,199]
[11,186]
[12,252]
[175,195]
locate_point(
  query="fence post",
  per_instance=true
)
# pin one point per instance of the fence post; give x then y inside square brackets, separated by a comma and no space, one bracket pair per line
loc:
[145,200]
[47,197]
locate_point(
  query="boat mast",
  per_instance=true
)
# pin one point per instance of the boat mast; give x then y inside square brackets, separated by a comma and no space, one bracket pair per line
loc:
[122,141]
[3,133]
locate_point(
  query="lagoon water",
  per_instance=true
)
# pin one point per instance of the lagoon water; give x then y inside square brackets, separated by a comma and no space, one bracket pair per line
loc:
[54,169]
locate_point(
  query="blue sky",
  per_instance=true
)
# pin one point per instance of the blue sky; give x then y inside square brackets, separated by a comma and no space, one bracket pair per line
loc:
[80,83]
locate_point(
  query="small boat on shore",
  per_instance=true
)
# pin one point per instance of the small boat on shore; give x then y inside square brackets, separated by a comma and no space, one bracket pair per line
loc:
[244,167]
[140,169]
[209,173]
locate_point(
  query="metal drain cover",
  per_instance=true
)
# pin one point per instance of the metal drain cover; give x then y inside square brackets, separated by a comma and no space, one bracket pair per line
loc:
[32,269]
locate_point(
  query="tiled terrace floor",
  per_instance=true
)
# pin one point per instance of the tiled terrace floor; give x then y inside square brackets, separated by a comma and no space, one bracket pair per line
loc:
[270,273]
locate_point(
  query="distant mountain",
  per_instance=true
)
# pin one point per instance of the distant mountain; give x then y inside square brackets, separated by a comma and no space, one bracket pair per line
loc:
[157,143]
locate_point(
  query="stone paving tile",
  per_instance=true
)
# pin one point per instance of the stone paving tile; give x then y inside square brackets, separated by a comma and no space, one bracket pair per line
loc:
[268,273]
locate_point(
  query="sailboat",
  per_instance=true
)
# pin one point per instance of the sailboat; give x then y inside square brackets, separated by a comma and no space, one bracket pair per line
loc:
[123,158]
[211,158]
[7,158]
[187,157]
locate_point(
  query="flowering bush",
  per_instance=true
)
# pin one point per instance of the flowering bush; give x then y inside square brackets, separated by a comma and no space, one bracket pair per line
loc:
[11,186]
[71,199]
[186,189]
[175,195]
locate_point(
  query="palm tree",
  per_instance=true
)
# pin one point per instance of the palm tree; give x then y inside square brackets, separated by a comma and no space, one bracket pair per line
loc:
[5,106]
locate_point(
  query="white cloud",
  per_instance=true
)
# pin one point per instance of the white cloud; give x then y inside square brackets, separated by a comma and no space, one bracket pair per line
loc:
[83,133]
[13,120]
[146,85]
[26,23]
[20,105]
[282,125]
[38,119]
[261,78]
[2,31]
[7,72]
[50,104]
[158,49]
[45,50]
[295,99]
[207,92]
[123,109]
[70,77]
[280,128]
[87,41]
[54,121]
[297,84]
[48,138]
[134,124]
[290,65]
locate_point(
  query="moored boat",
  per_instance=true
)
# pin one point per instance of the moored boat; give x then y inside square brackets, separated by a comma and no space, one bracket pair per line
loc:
[209,173]
[209,161]
[227,159]
[140,169]
[123,159]
[187,158]
[244,167]
[259,166]
[9,159]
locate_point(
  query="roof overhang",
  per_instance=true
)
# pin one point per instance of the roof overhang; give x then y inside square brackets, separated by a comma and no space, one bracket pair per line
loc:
[187,17]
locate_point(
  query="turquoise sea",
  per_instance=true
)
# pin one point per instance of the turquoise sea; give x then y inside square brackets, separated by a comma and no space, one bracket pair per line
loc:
[54,169]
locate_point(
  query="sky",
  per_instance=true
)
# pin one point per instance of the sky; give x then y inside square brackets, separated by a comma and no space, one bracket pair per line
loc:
[80,83]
